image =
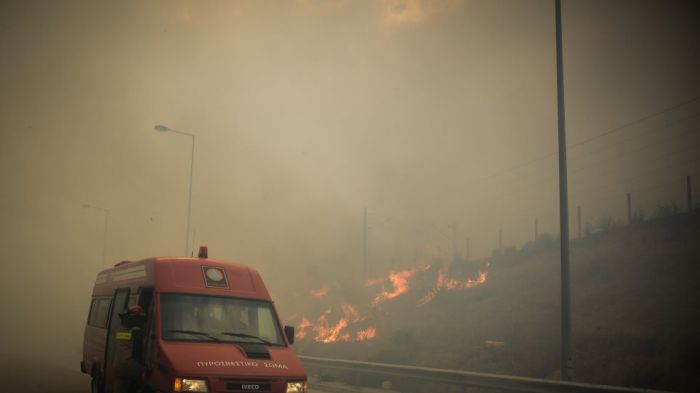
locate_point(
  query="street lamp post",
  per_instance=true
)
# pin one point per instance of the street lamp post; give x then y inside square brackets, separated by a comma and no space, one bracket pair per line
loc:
[567,362]
[162,128]
[104,236]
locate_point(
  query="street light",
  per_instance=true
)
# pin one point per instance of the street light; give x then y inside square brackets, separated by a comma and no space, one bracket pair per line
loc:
[104,238]
[567,362]
[162,128]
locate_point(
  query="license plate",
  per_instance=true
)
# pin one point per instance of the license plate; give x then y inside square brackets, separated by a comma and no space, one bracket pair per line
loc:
[249,387]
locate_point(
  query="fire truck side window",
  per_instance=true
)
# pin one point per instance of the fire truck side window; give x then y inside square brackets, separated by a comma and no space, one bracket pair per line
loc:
[144,300]
[93,312]
[99,311]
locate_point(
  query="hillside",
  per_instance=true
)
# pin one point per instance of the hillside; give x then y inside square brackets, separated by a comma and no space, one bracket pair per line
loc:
[635,308]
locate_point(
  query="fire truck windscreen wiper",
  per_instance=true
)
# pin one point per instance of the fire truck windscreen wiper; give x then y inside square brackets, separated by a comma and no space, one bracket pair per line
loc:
[196,333]
[246,336]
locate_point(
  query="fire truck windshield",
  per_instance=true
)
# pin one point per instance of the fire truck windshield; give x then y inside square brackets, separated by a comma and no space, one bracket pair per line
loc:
[209,316]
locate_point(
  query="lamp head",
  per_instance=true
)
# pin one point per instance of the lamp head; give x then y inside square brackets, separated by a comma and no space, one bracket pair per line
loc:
[161,128]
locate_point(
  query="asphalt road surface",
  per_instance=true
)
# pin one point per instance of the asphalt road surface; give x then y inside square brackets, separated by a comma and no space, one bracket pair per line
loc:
[50,373]
[55,373]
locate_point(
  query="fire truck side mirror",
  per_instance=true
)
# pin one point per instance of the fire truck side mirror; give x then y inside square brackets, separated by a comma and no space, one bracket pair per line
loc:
[289,332]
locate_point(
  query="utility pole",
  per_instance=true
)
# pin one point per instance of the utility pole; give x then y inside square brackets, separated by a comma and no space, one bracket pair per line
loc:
[364,249]
[194,238]
[690,194]
[466,250]
[500,240]
[566,357]
[454,241]
[537,230]
[578,214]
[629,208]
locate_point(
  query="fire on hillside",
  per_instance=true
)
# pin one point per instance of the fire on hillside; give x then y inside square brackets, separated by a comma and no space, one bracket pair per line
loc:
[343,322]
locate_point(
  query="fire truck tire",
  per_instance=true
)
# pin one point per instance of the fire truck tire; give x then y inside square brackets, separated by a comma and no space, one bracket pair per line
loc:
[95,385]
[147,389]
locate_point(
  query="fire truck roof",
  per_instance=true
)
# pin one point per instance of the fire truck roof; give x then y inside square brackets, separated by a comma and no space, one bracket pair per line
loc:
[184,274]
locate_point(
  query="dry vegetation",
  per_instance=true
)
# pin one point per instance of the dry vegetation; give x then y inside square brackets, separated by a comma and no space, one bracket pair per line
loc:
[636,304]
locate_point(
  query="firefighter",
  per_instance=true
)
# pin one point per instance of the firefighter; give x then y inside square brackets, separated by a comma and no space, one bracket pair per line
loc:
[128,361]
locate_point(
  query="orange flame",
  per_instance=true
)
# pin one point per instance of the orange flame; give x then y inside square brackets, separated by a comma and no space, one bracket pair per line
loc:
[326,332]
[351,312]
[427,298]
[399,283]
[374,281]
[447,283]
[366,334]
[444,282]
[395,284]
[319,293]
[301,328]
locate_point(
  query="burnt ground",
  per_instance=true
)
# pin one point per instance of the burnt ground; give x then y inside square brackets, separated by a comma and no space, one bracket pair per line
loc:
[635,312]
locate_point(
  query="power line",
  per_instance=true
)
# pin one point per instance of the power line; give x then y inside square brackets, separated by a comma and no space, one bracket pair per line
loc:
[637,135]
[549,177]
[613,195]
[577,144]
[627,179]
[640,148]
[641,188]
[597,188]
[637,121]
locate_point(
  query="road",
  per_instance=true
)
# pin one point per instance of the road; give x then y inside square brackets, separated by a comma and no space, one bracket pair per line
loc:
[49,373]
[56,373]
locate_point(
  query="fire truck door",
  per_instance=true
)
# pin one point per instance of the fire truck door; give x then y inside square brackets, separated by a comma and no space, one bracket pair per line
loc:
[121,296]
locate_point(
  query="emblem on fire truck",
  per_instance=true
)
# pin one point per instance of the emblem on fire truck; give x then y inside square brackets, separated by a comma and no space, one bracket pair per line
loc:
[214,277]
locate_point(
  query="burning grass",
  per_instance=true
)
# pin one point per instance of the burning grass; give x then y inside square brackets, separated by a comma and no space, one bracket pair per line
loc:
[342,321]
[636,303]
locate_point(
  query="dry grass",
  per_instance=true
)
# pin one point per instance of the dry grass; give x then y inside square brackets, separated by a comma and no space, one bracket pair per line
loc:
[635,306]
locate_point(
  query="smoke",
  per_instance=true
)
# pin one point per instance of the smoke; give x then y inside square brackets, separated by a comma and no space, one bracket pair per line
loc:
[306,113]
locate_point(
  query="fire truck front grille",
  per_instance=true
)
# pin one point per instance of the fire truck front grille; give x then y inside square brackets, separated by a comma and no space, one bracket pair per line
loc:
[239,385]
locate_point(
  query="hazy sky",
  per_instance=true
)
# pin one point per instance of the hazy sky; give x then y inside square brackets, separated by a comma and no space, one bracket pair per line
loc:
[305,112]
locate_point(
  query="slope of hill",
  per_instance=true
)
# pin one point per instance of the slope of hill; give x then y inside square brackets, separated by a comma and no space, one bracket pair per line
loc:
[635,308]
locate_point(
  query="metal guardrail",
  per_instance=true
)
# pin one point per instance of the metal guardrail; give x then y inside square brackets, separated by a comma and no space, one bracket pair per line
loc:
[504,383]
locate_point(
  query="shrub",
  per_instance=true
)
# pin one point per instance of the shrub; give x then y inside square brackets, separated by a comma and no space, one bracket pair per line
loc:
[666,210]
[607,223]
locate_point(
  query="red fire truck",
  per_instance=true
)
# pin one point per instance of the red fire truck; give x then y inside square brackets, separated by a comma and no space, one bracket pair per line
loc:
[211,326]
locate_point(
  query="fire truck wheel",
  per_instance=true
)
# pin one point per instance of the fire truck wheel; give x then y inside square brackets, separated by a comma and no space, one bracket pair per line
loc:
[95,386]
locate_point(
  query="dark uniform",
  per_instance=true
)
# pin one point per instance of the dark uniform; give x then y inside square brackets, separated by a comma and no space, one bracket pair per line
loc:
[128,358]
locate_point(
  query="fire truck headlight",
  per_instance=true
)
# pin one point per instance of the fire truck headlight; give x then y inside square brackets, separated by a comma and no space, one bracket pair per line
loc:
[190,385]
[297,387]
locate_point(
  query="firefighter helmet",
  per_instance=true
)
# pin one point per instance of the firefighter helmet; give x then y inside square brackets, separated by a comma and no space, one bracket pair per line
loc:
[135,310]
